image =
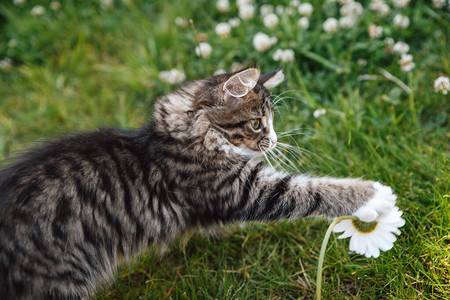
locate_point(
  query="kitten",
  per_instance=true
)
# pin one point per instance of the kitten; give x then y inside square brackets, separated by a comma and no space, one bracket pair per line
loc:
[73,208]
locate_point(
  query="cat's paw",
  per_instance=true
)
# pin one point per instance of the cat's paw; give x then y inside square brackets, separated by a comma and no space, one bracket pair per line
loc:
[381,202]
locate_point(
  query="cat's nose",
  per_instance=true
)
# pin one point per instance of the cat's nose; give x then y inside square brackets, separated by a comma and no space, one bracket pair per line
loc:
[274,142]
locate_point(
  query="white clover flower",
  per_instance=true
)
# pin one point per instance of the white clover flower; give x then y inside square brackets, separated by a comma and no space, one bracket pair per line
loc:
[401,21]
[305,9]
[375,31]
[347,22]
[294,3]
[271,20]
[380,7]
[330,25]
[6,64]
[223,6]
[361,61]
[406,62]
[279,9]
[55,6]
[246,12]
[236,67]
[401,47]
[223,30]
[181,22]
[319,112]
[378,220]
[106,4]
[400,3]
[266,9]
[243,2]
[290,11]
[343,2]
[234,22]
[442,84]
[19,2]
[203,50]
[220,72]
[37,10]
[12,43]
[287,55]
[172,76]
[351,9]
[303,22]
[438,3]
[262,41]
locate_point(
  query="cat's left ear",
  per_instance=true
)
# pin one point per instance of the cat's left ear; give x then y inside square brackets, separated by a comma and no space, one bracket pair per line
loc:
[241,83]
[271,79]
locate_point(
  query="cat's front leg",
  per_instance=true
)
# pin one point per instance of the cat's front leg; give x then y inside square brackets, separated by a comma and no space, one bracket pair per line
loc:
[273,195]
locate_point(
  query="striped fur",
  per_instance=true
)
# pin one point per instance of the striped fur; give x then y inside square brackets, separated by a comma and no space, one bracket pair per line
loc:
[72,209]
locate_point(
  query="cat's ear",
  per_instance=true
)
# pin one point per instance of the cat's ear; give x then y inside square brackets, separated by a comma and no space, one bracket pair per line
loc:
[241,83]
[271,79]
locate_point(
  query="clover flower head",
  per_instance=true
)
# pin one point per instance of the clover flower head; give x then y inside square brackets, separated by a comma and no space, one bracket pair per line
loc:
[294,3]
[438,3]
[223,30]
[203,50]
[319,112]
[442,84]
[305,9]
[380,7]
[37,10]
[55,6]
[246,11]
[279,9]
[401,21]
[375,226]
[347,22]
[351,9]
[106,4]
[6,64]
[401,47]
[375,31]
[330,25]
[172,76]
[303,22]
[287,55]
[266,9]
[181,22]
[223,6]
[234,22]
[262,41]
[19,2]
[406,62]
[271,20]
[400,3]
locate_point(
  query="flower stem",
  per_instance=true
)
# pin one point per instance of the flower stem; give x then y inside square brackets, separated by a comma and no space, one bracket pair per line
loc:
[322,254]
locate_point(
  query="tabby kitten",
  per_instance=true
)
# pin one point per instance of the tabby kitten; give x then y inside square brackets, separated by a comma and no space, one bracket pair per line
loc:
[73,208]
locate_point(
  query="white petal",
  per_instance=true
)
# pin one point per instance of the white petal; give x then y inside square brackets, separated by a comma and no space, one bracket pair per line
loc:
[347,233]
[366,214]
[342,225]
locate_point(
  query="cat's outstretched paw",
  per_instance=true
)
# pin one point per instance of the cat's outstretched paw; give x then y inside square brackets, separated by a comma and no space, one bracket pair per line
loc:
[382,201]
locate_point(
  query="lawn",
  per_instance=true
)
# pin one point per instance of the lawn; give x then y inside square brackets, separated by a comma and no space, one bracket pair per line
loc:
[353,100]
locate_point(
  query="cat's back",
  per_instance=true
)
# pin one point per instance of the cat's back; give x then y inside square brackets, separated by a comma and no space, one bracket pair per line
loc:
[54,198]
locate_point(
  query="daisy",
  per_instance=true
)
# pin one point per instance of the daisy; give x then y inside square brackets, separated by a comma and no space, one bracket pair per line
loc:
[374,226]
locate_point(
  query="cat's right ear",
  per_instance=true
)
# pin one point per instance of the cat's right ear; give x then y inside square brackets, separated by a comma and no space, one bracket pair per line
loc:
[240,84]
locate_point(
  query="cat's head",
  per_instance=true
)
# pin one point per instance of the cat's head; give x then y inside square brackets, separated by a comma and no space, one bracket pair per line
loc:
[242,109]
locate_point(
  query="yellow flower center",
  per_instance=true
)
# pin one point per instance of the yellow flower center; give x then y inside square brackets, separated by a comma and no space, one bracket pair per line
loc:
[364,227]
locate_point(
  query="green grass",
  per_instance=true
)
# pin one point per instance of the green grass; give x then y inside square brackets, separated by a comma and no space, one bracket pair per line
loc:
[84,67]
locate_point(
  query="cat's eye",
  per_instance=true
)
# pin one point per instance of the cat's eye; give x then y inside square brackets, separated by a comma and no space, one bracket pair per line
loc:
[256,124]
